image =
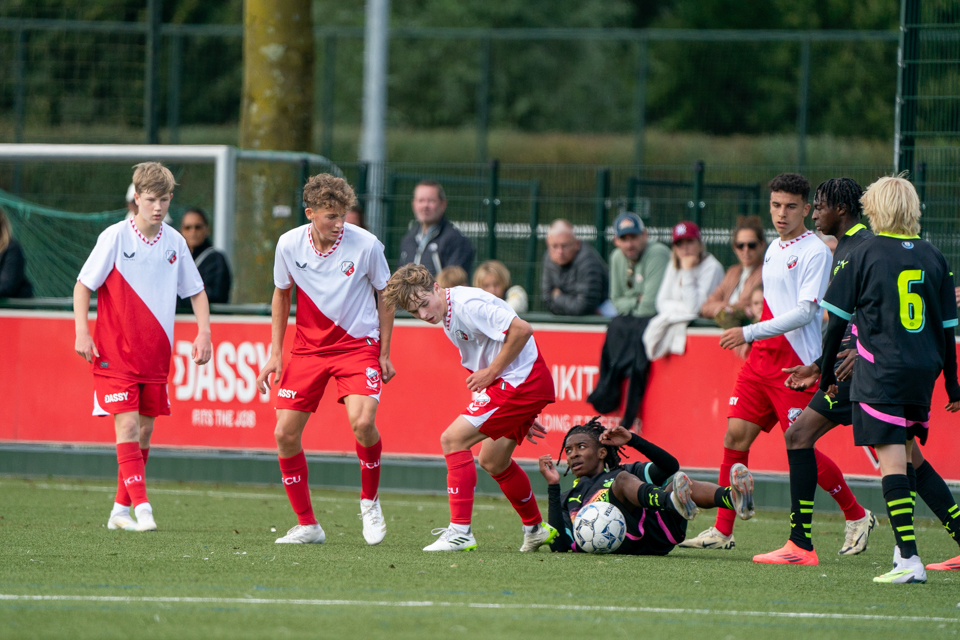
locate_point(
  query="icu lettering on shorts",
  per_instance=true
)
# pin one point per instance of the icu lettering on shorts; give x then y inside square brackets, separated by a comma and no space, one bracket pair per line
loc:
[230,375]
[116,397]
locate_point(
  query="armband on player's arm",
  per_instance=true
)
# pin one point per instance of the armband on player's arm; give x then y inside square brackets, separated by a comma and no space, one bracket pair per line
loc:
[831,347]
[664,464]
[950,365]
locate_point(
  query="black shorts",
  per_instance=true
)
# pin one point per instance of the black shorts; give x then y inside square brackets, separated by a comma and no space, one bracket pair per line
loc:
[837,409]
[650,532]
[877,424]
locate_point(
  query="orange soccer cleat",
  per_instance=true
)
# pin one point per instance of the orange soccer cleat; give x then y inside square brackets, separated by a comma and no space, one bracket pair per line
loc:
[789,554]
[953,564]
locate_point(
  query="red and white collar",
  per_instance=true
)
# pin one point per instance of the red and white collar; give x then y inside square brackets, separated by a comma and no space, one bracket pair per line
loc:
[449,317]
[795,240]
[150,243]
[332,249]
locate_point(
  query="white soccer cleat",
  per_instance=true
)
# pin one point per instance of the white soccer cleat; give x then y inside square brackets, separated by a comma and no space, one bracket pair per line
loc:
[121,521]
[374,526]
[145,521]
[304,534]
[905,571]
[741,483]
[709,539]
[452,540]
[543,534]
[856,533]
[682,496]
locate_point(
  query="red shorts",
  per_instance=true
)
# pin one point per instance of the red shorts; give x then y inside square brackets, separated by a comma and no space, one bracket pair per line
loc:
[303,380]
[116,395]
[766,404]
[504,411]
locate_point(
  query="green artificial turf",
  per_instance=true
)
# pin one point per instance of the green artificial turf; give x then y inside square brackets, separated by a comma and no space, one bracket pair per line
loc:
[215,545]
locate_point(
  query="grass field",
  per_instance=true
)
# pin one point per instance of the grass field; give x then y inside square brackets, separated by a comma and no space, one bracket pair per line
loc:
[213,571]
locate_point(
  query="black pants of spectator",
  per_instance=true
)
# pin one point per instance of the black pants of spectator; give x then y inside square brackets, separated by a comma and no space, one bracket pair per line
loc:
[622,357]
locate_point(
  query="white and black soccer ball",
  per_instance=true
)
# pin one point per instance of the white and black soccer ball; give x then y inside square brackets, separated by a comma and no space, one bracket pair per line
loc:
[599,528]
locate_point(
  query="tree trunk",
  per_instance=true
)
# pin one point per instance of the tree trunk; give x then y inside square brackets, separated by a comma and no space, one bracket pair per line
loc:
[276,115]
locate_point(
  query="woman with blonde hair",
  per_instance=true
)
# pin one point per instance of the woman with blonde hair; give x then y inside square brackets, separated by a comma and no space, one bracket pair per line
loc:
[493,277]
[13,277]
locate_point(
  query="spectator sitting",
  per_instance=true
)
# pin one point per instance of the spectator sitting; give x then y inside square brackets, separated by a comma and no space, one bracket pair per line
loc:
[452,277]
[434,242]
[493,277]
[574,281]
[729,304]
[637,267]
[211,262]
[691,276]
[756,302]
[355,216]
[13,277]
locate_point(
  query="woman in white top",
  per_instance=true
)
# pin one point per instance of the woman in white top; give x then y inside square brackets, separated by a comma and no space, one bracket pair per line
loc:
[690,278]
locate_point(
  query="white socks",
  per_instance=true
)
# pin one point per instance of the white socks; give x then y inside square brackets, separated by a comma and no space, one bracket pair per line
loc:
[142,508]
[460,528]
[120,510]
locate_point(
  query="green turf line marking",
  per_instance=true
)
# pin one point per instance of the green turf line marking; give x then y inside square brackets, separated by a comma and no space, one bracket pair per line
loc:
[472,605]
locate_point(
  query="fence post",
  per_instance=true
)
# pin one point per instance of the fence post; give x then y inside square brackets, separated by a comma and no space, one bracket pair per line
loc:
[174,48]
[493,203]
[907,76]
[921,182]
[532,242]
[640,105]
[697,205]
[327,113]
[483,100]
[600,210]
[19,98]
[803,104]
[151,80]
[301,205]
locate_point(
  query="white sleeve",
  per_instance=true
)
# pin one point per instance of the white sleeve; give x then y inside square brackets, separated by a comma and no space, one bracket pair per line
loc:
[378,271]
[815,276]
[281,274]
[189,282]
[803,314]
[101,260]
[491,320]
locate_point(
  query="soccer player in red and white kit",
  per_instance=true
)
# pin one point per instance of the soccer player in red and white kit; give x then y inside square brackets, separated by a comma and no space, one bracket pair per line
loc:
[138,268]
[511,386]
[796,270]
[342,333]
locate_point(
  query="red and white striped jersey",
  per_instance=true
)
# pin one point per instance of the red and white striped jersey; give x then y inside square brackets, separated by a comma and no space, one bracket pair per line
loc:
[336,309]
[137,283]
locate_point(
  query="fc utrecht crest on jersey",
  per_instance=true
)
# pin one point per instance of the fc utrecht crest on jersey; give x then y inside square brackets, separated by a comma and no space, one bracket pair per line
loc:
[462,335]
[373,377]
[347,268]
[171,256]
[479,402]
[792,262]
[793,414]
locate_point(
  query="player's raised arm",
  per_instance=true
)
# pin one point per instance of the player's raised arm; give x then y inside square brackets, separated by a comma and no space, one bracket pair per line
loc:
[202,346]
[279,314]
[81,306]
[517,336]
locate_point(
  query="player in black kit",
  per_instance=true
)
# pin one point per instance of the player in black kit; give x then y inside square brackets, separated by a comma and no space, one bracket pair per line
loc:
[656,498]
[899,292]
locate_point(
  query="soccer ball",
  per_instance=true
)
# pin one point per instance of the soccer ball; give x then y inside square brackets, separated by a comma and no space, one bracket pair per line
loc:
[599,528]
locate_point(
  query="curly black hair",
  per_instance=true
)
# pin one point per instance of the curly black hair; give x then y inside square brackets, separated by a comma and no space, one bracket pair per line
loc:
[791,183]
[842,192]
[594,429]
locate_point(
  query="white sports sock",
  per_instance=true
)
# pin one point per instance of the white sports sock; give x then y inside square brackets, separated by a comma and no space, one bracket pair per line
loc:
[530,528]
[460,528]
[120,510]
[142,508]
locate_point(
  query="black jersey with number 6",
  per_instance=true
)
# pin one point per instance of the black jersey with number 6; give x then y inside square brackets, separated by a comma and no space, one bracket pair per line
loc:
[899,292]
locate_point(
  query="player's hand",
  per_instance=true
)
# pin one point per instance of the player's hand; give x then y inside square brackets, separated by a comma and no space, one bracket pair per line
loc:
[537,430]
[732,337]
[953,407]
[845,370]
[275,366]
[802,377]
[548,470]
[617,436]
[387,371]
[742,351]
[85,347]
[202,348]
[832,391]
[480,380]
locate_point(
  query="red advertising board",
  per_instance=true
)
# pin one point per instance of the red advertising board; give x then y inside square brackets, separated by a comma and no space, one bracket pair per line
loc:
[48,395]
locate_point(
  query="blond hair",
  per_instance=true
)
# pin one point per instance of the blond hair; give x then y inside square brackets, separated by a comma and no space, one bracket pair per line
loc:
[408,283]
[495,268]
[6,233]
[893,206]
[452,277]
[324,191]
[153,178]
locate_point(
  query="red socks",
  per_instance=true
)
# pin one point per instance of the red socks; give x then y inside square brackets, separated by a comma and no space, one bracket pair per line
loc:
[726,517]
[461,483]
[516,486]
[122,496]
[295,477]
[131,462]
[831,480]
[369,469]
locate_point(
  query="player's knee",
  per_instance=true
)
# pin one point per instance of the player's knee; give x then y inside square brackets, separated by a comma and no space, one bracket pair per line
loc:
[797,437]
[364,426]
[493,464]
[284,437]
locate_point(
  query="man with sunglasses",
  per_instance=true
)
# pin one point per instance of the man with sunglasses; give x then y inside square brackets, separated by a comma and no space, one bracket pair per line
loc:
[637,266]
[211,262]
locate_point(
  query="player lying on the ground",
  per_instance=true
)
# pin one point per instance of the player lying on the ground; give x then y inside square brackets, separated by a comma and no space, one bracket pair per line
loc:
[341,333]
[511,386]
[796,270]
[138,269]
[900,291]
[655,497]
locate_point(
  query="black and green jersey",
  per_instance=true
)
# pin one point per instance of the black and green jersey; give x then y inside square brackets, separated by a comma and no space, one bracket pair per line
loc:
[846,243]
[899,292]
